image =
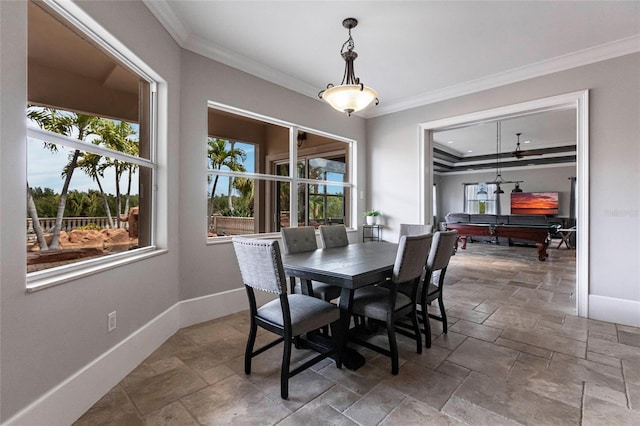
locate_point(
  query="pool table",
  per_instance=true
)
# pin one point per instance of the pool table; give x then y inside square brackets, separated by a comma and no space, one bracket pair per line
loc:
[540,234]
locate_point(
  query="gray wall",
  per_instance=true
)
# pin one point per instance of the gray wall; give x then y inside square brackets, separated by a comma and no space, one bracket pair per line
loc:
[543,179]
[614,161]
[207,269]
[49,335]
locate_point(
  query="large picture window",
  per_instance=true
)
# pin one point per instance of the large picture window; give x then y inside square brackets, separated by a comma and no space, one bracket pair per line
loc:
[90,148]
[251,187]
[479,198]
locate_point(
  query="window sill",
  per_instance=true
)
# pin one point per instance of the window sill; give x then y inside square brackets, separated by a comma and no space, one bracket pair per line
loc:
[41,280]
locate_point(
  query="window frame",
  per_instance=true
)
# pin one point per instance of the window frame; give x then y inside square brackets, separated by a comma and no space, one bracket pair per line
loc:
[75,17]
[292,178]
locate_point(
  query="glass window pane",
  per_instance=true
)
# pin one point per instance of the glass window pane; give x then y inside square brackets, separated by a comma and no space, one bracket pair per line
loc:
[102,214]
[105,202]
[230,155]
[262,143]
[231,210]
[321,204]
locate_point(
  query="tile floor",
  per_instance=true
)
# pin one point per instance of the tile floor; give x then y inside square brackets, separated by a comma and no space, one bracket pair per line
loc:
[515,354]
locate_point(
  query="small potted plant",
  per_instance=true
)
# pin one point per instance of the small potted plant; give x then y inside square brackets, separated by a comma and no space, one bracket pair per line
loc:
[372,217]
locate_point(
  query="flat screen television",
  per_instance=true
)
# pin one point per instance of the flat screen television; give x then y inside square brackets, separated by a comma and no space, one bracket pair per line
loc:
[534,203]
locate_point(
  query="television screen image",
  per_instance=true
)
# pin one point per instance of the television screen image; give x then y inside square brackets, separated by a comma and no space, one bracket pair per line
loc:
[534,203]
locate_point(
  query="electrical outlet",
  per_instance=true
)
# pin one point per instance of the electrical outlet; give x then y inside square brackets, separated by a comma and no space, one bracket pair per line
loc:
[112,324]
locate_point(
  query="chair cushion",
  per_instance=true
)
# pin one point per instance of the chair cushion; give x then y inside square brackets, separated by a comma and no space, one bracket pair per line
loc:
[321,290]
[373,301]
[307,313]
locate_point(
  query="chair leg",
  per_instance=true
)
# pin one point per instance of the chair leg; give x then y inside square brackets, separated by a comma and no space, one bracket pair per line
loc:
[248,353]
[393,346]
[416,330]
[286,364]
[427,325]
[443,314]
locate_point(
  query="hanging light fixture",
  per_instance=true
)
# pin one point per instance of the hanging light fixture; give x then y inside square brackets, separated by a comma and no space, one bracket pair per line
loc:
[517,188]
[351,95]
[498,180]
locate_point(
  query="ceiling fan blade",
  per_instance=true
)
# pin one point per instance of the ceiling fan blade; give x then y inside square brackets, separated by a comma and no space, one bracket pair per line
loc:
[519,154]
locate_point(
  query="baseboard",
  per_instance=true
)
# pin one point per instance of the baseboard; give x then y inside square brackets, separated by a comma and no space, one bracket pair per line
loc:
[610,309]
[66,402]
[212,306]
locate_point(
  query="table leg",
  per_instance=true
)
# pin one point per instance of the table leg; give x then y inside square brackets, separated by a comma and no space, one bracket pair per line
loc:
[542,251]
[350,357]
[464,241]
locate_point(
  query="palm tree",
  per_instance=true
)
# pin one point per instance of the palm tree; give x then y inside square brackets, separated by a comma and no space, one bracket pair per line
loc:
[218,155]
[92,166]
[65,123]
[246,188]
[35,221]
[116,136]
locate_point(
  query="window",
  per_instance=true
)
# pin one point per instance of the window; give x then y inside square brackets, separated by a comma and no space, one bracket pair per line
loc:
[90,148]
[250,181]
[434,202]
[480,198]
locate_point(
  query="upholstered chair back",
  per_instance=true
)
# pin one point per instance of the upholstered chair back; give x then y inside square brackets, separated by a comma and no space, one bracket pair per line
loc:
[260,264]
[441,249]
[411,257]
[299,240]
[334,236]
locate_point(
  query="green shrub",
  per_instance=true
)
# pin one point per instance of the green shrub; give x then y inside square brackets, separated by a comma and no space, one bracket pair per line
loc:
[89,227]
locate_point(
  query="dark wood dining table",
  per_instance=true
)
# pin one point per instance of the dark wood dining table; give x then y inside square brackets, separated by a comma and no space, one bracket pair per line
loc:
[349,267]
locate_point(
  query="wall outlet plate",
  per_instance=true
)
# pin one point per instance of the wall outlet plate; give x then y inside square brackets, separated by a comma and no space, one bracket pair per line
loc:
[112,322]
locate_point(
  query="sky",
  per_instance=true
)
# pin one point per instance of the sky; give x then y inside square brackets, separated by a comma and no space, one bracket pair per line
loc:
[44,169]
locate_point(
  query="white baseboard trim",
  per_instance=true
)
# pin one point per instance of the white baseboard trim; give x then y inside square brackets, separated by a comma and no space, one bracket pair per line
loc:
[212,306]
[610,309]
[65,403]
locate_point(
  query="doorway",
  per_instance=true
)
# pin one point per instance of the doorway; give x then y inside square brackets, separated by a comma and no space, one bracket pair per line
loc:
[576,100]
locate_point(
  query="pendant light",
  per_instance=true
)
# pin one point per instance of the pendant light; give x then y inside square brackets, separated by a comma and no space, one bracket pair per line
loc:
[517,188]
[351,95]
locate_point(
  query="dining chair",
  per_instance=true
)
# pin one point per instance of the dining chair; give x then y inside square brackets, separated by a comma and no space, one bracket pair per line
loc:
[333,236]
[438,261]
[414,229]
[289,316]
[387,304]
[300,240]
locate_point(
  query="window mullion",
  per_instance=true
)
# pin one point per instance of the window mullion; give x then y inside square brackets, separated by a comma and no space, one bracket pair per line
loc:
[293,175]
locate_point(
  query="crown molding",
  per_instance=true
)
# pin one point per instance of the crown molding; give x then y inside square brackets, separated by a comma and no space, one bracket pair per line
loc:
[579,58]
[235,60]
[163,11]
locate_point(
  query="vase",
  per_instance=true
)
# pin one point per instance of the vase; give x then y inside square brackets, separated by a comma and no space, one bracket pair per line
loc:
[371,220]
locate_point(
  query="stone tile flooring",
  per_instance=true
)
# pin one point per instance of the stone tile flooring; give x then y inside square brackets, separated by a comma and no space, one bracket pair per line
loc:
[515,354]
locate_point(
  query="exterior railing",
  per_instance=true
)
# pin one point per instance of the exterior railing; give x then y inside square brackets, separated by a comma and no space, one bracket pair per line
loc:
[231,225]
[70,223]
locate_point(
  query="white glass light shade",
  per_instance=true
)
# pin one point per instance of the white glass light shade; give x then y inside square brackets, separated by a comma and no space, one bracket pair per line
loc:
[349,97]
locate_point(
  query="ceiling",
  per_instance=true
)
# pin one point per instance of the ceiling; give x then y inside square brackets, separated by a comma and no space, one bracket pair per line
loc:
[545,138]
[412,53]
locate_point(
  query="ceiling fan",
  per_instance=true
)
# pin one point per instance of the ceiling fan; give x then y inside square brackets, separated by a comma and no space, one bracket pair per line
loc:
[519,153]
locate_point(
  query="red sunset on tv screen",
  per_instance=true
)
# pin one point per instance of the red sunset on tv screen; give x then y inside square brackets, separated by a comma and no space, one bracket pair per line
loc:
[534,203]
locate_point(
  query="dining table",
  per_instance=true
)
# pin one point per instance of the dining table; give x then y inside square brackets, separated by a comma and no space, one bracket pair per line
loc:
[349,267]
